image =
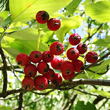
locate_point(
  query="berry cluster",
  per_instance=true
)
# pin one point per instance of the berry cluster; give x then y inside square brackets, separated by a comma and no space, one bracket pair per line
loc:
[53,24]
[47,62]
[50,60]
[39,62]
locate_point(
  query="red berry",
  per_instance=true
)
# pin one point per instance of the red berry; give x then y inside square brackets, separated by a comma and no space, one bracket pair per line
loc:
[56,48]
[69,77]
[82,48]
[74,39]
[43,67]
[47,56]
[78,65]
[35,56]
[28,83]
[56,63]
[30,70]
[91,57]
[72,53]
[50,74]
[42,17]
[22,59]
[41,82]
[57,80]
[53,24]
[67,67]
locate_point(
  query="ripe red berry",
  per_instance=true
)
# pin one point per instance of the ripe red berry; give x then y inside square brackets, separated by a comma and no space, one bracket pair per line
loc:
[43,67]
[91,57]
[30,70]
[28,83]
[82,48]
[35,56]
[69,77]
[40,82]
[78,65]
[53,24]
[72,53]
[56,48]
[67,67]
[74,39]
[47,56]
[50,74]
[22,59]
[57,80]
[42,17]
[56,63]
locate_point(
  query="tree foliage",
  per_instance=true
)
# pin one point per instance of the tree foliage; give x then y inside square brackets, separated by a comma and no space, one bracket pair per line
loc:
[19,34]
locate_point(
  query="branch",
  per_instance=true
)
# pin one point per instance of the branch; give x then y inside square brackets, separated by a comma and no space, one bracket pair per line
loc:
[93,64]
[4,70]
[20,101]
[14,71]
[66,85]
[73,97]
[90,36]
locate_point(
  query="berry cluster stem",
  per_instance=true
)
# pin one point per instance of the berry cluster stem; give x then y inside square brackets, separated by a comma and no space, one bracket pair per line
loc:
[38,40]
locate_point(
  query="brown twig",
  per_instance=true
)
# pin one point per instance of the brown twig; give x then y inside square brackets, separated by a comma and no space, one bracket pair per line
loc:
[66,85]
[73,97]
[90,36]
[4,71]
[20,101]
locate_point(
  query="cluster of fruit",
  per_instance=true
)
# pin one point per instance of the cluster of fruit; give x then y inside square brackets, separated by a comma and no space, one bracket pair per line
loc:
[41,62]
[50,60]
[53,24]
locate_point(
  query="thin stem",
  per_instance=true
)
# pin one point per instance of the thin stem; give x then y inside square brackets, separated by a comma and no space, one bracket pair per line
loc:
[2,35]
[86,74]
[38,40]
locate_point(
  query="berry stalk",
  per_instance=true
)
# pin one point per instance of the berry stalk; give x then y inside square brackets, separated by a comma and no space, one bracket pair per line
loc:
[38,40]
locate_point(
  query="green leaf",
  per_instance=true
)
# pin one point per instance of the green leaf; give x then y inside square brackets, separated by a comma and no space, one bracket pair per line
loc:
[11,51]
[4,14]
[1,20]
[73,5]
[67,24]
[27,9]
[102,93]
[103,65]
[81,106]
[99,11]
[23,41]
[5,108]
[7,21]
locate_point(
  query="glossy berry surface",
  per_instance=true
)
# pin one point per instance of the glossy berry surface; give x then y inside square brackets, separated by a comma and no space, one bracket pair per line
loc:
[47,56]
[69,77]
[53,24]
[72,53]
[22,59]
[91,57]
[42,17]
[82,48]
[74,39]
[35,56]
[78,65]
[50,74]
[67,68]
[30,70]
[56,48]
[43,67]
[56,63]
[27,83]
[41,82]
[57,80]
